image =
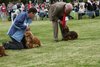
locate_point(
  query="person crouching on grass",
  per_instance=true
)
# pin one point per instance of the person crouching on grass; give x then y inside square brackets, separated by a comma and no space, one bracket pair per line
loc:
[57,13]
[17,30]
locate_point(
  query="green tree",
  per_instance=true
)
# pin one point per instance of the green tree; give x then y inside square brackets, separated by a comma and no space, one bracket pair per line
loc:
[67,1]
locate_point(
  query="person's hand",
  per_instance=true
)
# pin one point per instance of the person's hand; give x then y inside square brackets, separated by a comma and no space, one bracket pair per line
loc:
[59,21]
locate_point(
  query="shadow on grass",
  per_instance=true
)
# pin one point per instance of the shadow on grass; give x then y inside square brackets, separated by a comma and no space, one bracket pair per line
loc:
[89,38]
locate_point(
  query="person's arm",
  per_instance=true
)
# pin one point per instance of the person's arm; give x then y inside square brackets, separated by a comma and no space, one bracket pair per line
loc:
[19,22]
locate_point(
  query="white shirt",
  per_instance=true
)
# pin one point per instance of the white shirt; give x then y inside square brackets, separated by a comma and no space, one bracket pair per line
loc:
[81,7]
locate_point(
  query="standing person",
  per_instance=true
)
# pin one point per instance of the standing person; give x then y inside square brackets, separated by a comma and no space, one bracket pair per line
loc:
[22,7]
[57,13]
[81,10]
[90,7]
[9,9]
[4,12]
[97,8]
[17,30]
[30,5]
[0,11]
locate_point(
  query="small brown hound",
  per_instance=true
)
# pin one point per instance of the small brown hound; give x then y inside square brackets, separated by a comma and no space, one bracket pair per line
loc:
[31,40]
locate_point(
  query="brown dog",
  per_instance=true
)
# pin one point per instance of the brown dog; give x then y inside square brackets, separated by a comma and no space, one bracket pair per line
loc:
[31,40]
[2,51]
[71,35]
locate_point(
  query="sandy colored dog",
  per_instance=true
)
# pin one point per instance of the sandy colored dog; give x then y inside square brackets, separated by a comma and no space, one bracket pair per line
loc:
[31,40]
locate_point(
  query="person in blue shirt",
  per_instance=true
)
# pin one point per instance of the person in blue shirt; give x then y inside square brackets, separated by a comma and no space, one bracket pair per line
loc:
[18,28]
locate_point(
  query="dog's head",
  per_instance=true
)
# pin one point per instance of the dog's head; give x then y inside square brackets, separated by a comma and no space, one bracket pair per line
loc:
[65,30]
[27,33]
[72,35]
[28,29]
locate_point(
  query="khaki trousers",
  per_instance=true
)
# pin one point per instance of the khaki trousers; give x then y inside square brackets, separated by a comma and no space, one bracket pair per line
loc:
[55,29]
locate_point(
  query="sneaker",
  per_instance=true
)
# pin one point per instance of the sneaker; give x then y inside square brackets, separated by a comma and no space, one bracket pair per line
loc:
[5,45]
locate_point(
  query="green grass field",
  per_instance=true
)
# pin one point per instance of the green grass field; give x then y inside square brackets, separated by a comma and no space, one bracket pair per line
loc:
[83,52]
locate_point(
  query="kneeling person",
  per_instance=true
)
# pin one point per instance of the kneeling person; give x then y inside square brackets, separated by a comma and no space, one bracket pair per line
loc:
[18,28]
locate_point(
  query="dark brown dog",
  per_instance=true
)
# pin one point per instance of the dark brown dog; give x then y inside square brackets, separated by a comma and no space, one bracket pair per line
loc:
[31,40]
[2,51]
[71,35]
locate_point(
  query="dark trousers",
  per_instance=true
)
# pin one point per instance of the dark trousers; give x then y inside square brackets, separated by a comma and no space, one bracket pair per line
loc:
[15,44]
[80,15]
[61,28]
[96,13]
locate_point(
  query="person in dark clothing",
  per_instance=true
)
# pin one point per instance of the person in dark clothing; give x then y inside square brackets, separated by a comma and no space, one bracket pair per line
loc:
[91,7]
[97,8]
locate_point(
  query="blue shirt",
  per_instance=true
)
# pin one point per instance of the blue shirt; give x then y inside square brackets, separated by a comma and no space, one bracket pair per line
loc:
[19,26]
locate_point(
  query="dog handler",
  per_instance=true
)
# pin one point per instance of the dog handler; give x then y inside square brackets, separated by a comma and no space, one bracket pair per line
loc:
[57,13]
[17,30]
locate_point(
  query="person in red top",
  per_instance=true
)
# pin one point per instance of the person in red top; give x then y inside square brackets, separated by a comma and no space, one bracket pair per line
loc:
[4,12]
[30,5]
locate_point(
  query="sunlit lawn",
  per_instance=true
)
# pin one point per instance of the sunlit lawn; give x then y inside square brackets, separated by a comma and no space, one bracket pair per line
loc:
[83,52]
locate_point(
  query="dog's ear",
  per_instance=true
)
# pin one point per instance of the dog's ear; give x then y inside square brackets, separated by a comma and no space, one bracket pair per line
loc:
[67,28]
[27,33]
[28,29]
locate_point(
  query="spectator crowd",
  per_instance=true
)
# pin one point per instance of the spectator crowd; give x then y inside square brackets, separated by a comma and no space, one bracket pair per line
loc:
[90,8]
[12,9]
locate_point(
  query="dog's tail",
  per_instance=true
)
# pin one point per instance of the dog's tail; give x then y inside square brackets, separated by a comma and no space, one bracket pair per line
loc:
[40,44]
[5,55]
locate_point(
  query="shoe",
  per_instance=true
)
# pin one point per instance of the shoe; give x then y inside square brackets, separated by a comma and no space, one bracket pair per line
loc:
[56,40]
[5,45]
[10,42]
